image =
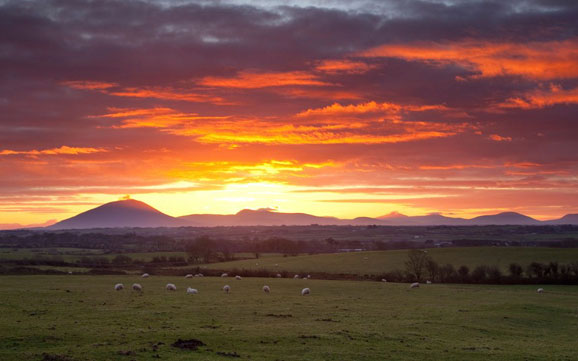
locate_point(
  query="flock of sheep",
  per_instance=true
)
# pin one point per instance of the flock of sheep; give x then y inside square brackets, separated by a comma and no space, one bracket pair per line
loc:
[193,291]
[227,289]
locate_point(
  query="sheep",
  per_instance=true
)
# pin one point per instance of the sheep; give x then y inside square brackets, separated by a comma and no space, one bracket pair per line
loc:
[540,290]
[414,285]
[305,291]
[199,275]
[224,275]
[136,287]
[383,280]
[145,275]
[119,287]
[308,276]
[276,264]
[192,291]
[305,277]
[266,289]
[238,278]
[171,287]
[279,275]
[428,282]
[227,288]
[296,277]
[189,276]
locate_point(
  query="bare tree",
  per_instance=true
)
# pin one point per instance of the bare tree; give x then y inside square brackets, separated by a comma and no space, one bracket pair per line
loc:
[416,263]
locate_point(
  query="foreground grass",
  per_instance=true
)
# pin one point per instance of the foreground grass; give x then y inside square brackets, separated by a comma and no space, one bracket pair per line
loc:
[386,261]
[83,318]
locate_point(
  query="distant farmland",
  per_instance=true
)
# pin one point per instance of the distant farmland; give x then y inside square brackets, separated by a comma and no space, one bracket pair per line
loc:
[379,262]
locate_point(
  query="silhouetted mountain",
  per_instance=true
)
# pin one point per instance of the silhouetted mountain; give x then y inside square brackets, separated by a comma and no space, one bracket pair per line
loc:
[567,219]
[133,213]
[392,215]
[504,218]
[261,217]
[125,213]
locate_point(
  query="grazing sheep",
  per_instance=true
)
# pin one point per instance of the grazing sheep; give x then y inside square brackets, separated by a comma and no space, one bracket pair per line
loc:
[305,277]
[540,290]
[136,287]
[414,285]
[145,275]
[192,291]
[224,275]
[296,276]
[308,276]
[171,287]
[428,282]
[227,288]
[199,275]
[305,291]
[119,287]
[266,289]
[383,280]
[189,276]
[279,275]
[238,277]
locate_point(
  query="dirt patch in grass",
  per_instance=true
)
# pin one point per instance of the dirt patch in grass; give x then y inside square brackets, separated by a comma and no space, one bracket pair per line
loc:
[191,344]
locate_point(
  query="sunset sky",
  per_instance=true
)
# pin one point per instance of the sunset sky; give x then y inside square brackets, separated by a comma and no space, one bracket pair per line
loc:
[333,108]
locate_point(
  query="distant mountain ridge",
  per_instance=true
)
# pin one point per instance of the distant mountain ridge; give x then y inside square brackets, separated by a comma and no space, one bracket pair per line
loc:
[133,213]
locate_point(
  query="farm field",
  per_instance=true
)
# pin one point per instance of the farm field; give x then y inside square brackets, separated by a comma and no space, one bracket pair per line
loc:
[83,318]
[379,262]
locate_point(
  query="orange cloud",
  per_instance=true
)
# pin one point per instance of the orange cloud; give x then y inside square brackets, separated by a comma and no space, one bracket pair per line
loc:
[255,80]
[167,94]
[542,98]
[536,60]
[499,138]
[238,130]
[164,93]
[64,150]
[89,85]
[343,66]
[370,107]
[153,118]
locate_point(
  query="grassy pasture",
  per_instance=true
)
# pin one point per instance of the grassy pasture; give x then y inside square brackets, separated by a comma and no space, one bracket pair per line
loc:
[379,262]
[83,318]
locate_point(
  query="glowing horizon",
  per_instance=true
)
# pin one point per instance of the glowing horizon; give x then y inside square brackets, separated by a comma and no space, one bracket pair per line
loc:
[397,111]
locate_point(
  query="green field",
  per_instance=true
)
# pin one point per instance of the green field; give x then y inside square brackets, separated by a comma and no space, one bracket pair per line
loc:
[83,318]
[380,262]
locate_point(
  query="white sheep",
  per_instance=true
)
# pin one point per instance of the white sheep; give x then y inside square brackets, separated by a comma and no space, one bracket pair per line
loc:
[192,291]
[227,288]
[414,285]
[238,277]
[224,275]
[136,287]
[305,291]
[308,276]
[145,275]
[296,276]
[266,289]
[199,275]
[119,287]
[383,280]
[540,290]
[305,277]
[171,287]
[279,275]
[428,282]
[189,275]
